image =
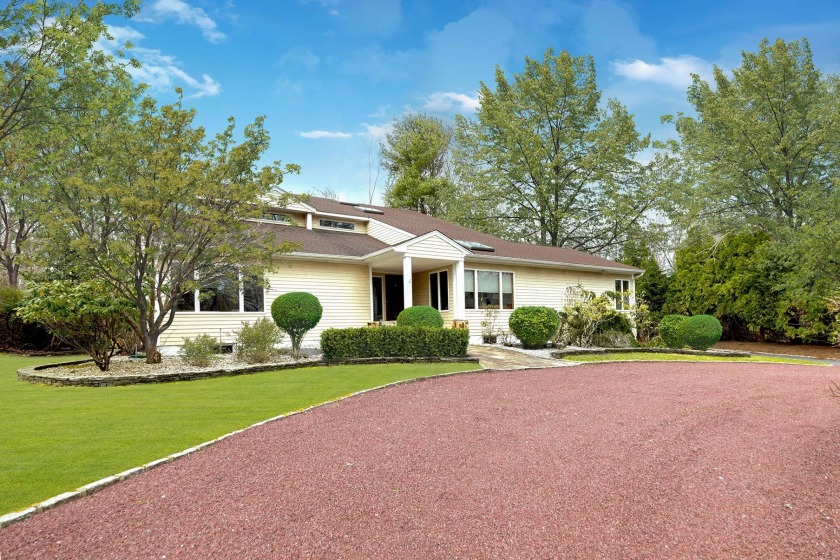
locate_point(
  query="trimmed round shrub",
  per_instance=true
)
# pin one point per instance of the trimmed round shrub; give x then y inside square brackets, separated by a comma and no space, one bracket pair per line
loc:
[670,329]
[615,322]
[700,332]
[296,313]
[420,316]
[534,326]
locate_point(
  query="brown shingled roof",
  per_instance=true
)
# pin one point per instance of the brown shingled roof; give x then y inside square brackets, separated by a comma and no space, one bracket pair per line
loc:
[420,224]
[325,242]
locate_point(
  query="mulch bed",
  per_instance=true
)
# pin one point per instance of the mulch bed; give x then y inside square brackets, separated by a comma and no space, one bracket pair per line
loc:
[643,460]
[813,350]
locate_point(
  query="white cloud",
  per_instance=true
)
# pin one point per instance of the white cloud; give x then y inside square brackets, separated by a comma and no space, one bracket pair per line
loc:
[160,71]
[672,71]
[447,101]
[376,132]
[180,11]
[318,134]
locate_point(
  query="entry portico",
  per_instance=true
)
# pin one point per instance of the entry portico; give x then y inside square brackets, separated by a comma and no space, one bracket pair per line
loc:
[409,266]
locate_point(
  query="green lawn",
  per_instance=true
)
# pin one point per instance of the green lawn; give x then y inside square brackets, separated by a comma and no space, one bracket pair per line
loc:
[55,439]
[649,357]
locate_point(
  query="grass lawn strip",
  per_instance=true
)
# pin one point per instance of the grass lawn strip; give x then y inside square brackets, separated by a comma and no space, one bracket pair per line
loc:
[55,439]
[648,357]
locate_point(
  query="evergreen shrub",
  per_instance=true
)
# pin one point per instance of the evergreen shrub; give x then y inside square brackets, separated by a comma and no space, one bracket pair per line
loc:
[389,342]
[296,313]
[420,316]
[670,329]
[534,325]
[701,332]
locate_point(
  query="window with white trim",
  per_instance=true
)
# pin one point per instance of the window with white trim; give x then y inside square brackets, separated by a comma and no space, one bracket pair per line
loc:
[622,295]
[488,289]
[439,290]
[225,294]
[335,224]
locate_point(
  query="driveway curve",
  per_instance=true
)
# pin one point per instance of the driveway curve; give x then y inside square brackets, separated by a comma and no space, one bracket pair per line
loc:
[632,460]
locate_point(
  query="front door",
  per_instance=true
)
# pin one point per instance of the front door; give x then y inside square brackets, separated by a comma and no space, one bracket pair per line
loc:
[394,301]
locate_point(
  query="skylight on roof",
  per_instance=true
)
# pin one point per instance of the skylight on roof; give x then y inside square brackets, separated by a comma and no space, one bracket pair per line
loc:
[475,246]
[368,210]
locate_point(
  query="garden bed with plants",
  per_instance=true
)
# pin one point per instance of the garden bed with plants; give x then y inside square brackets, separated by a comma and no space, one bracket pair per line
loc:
[129,372]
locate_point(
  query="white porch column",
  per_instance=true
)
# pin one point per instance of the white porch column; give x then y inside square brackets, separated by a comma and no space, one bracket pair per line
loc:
[407,287]
[458,291]
[370,290]
[309,221]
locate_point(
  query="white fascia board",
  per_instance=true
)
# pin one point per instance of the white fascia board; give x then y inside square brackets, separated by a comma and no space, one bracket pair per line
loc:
[403,247]
[552,264]
[319,257]
[380,252]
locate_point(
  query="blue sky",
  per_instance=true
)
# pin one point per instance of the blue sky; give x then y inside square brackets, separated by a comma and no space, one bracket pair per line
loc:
[330,75]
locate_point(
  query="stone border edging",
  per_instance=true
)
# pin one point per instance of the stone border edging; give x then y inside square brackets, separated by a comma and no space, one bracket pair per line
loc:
[87,489]
[30,374]
[560,354]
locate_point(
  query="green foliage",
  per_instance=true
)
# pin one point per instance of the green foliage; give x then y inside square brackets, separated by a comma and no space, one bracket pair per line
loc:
[534,325]
[153,206]
[379,342]
[420,316]
[756,286]
[652,286]
[762,149]
[256,343]
[614,339]
[10,298]
[199,351]
[701,332]
[415,154]
[671,330]
[296,313]
[614,321]
[583,315]
[545,161]
[85,315]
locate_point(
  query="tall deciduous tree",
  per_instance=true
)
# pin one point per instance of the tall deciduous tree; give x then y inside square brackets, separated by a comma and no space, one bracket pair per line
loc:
[416,156]
[156,206]
[763,147]
[50,76]
[544,163]
[43,45]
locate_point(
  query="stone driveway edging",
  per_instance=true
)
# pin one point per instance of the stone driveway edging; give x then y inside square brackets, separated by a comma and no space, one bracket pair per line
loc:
[560,354]
[87,489]
[33,374]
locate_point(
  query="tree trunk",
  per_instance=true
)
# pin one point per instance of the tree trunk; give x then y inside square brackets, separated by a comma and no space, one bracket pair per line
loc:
[151,349]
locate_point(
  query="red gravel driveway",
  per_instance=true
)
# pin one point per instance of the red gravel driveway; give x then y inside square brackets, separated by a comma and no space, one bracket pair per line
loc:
[666,460]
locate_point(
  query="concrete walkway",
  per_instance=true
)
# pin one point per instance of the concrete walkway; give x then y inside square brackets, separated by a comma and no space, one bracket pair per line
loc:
[499,357]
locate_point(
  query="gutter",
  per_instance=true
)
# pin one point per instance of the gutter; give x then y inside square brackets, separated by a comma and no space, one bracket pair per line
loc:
[555,264]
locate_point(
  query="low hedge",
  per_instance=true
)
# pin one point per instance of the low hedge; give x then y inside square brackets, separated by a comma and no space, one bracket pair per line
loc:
[389,342]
